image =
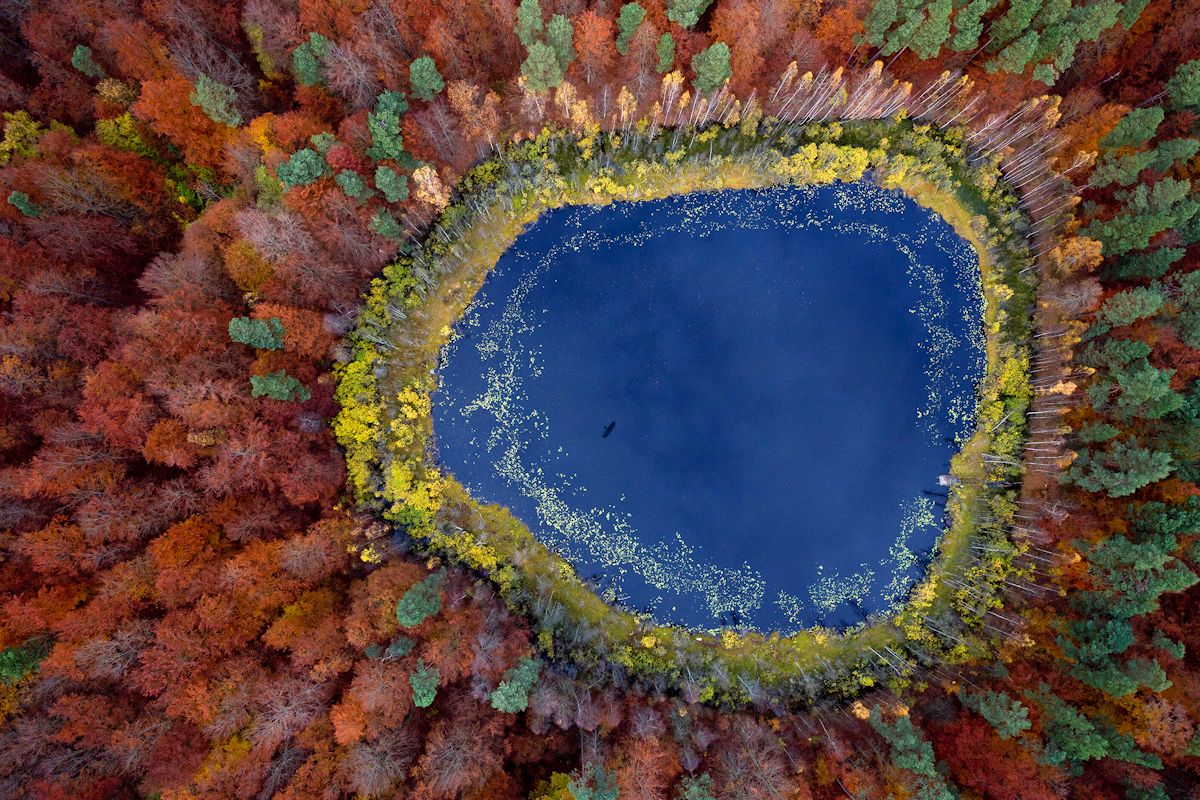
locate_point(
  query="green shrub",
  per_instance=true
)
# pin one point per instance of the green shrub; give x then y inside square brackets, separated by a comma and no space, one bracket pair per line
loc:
[420,602]
[278,386]
[265,334]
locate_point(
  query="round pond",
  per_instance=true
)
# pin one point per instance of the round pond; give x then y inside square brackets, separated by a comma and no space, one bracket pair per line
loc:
[724,408]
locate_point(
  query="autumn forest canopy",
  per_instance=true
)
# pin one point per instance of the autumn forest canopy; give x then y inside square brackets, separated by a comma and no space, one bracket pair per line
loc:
[235,239]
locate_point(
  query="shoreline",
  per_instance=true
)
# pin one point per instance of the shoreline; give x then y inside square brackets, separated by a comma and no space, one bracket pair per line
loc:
[439,516]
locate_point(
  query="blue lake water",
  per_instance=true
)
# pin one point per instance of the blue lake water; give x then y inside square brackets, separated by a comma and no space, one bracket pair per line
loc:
[726,407]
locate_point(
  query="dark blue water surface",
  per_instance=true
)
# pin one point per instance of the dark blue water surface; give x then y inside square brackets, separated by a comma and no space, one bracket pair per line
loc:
[724,407]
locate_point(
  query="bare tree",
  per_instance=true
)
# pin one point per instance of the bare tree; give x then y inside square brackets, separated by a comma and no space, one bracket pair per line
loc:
[351,76]
[375,766]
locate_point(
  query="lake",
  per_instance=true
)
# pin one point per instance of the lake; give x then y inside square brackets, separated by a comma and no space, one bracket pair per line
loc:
[726,407]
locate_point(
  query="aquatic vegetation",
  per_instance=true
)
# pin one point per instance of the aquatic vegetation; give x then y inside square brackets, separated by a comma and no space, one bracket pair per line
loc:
[499,407]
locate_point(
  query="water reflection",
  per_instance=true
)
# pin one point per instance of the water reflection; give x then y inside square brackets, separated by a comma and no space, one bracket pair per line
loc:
[726,408]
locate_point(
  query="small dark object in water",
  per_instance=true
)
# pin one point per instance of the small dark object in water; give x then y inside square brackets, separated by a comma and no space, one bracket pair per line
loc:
[609,429]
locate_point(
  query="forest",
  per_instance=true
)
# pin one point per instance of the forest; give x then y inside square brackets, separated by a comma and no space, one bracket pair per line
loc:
[214,218]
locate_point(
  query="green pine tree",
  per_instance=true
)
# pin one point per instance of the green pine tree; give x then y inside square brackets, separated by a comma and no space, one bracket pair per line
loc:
[1006,714]
[1146,391]
[216,100]
[686,13]
[1183,89]
[386,225]
[421,602]
[81,59]
[265,334]
[1014,58]
[393,185]
[628,21]
[910,751]
[19,662]
[928,39]
[968,24]
[21,202]
[1130,11]
[1137,127]
[1148,210]
[391,103]
[696,787]
[279,386]
[424,682]
[353,184]
[1127,307]
[560,35]
[879,21]
[308,60]
[1070,736]
[1045,73]
[322,142]
[1092,19]
[1122,170]
[529,22]
[900,36]
[425,79]
[594,783]
[1013,24]
[1147,263]
[302,169]
[541,68]
[711,66]
[512,695]
[1173,151]
[665,50]
[1120,470]
[384,125]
